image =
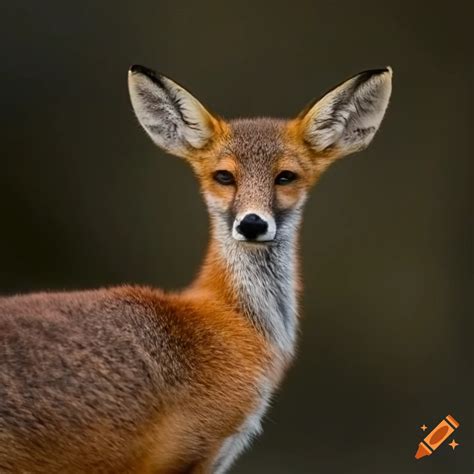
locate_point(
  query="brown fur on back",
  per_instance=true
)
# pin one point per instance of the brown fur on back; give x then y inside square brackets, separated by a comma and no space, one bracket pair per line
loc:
[121,380]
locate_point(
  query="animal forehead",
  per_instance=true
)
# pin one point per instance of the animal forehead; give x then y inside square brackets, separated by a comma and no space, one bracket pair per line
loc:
[257,141]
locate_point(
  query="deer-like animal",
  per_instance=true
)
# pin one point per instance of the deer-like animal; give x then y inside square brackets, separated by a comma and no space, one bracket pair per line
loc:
[137,380]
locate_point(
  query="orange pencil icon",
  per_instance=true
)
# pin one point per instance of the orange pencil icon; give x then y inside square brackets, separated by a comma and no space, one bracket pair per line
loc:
[437,436]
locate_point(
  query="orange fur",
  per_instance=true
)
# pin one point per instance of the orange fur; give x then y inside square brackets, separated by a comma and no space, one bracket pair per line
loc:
[136,380]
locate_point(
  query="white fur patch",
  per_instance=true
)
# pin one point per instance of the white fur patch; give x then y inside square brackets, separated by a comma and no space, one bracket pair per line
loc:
[235,444]
[264,277]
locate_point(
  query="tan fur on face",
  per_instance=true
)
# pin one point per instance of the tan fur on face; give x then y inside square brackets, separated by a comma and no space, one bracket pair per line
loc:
[255,151]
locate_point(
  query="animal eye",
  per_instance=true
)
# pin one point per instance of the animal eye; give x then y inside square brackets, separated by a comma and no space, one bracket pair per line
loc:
[285,177]
[224,177]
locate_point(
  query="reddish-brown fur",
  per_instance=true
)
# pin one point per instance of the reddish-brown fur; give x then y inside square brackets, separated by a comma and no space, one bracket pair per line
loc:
[194,400]
[136,380]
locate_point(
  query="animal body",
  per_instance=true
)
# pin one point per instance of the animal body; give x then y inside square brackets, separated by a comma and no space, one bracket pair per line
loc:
[138,380]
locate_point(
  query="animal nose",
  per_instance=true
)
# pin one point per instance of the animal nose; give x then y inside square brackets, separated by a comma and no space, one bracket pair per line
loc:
[251,226]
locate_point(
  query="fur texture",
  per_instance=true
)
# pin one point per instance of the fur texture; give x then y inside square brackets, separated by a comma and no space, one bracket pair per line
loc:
[135,380]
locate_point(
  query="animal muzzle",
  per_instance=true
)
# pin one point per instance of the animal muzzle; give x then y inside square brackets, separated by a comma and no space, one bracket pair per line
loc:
[254,226]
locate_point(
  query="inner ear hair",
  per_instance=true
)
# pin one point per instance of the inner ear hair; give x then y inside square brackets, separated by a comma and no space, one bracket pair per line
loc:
[347,117]
[174,119]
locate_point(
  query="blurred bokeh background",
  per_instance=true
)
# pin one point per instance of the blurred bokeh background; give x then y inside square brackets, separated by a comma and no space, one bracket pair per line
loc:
[86,199]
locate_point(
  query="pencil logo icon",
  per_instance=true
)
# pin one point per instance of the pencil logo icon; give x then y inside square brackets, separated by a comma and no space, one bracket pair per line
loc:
[437,437]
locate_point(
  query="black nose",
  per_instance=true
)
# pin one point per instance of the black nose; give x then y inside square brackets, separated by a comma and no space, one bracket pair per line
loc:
[251,226]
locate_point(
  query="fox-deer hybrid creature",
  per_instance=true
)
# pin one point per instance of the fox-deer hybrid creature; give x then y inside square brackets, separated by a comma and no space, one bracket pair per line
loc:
[136,380]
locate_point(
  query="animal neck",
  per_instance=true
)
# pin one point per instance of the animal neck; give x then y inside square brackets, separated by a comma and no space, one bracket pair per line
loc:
[259,281]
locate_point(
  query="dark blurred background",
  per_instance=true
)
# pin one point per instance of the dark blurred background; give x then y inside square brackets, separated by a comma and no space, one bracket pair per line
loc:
[387,240]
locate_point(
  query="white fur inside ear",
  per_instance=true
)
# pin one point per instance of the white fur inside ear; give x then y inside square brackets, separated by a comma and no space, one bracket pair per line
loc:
[174,119]
[348,117]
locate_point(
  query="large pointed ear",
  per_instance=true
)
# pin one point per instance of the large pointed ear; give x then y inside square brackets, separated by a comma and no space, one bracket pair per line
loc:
[175,120]
[346,119]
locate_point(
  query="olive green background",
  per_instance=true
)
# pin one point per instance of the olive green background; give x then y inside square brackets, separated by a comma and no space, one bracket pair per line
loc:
[86,200]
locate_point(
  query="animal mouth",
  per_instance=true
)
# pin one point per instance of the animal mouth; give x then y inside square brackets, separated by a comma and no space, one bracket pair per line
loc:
[257,243]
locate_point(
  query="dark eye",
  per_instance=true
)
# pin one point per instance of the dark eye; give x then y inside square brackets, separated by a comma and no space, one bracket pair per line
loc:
[285,177]
[224,177]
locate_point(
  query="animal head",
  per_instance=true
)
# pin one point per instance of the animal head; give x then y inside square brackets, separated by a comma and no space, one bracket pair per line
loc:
[255,174]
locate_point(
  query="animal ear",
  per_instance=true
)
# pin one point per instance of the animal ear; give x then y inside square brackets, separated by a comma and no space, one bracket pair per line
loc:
[175,120]
[346,119]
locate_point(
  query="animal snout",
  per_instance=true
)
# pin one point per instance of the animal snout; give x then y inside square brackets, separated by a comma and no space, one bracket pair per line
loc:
[252,226]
